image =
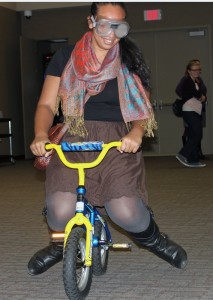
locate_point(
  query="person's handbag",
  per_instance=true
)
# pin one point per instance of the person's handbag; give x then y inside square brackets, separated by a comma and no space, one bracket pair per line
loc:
[55,135]
[177,107]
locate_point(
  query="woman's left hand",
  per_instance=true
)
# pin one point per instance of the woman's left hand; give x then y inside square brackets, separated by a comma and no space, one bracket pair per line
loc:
[203,98]
[132,141]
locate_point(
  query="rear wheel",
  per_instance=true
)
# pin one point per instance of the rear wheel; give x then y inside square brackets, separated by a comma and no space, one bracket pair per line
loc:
[76,276]
[100,253]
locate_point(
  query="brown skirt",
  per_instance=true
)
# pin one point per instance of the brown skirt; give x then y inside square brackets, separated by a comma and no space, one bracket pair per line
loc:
[118,174]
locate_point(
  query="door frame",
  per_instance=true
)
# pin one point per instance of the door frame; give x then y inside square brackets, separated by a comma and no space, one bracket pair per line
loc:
[210,87]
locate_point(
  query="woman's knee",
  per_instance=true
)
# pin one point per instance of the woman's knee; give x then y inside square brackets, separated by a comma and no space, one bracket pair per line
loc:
[131,214]
[60,208]
[57,220]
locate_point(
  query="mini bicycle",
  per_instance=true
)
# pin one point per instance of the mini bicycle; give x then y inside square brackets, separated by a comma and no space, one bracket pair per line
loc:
[87,238]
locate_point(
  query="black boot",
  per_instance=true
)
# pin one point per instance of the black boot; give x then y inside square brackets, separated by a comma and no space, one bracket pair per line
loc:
[45,258]
[159,243]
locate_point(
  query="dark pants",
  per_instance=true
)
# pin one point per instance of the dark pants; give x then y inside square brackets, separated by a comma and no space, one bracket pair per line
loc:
[195,132]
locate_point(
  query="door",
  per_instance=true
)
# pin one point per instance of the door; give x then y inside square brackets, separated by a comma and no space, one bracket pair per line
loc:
[31,86]
[167,53]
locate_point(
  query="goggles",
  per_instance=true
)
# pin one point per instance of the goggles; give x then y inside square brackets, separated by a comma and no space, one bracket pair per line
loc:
[105,27]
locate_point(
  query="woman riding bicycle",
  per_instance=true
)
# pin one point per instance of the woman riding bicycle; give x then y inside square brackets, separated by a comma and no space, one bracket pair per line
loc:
[103,87]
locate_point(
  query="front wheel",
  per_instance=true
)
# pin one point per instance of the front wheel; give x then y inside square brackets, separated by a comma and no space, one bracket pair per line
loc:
[100,253]
[76,276]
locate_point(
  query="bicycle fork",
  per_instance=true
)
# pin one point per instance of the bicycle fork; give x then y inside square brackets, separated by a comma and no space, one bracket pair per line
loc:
[80,219]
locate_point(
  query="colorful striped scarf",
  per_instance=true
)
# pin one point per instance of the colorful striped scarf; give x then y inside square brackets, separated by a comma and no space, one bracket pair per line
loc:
[84,76]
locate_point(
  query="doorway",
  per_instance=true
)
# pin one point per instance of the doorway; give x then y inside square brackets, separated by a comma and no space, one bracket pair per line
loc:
[33,67]
[167,53]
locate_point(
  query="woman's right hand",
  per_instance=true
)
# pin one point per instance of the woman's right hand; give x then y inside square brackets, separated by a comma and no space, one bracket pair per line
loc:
[38,146]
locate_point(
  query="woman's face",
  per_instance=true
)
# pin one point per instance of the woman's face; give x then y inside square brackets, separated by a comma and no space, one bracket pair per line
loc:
[195,71]
[108,12]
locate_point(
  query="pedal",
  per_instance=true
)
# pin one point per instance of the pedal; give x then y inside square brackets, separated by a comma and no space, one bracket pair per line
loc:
[123,246]
[57,236]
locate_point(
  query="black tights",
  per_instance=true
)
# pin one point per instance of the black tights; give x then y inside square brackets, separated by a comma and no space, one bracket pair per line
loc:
[131,214]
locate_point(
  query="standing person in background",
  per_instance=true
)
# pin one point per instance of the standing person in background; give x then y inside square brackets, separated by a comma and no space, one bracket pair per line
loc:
[192,91]
[203,114]
[103,86]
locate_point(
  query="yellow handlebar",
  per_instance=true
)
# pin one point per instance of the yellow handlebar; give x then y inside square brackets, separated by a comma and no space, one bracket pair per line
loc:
[82,166]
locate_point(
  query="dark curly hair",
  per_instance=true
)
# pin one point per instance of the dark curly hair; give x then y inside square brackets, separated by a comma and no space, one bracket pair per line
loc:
[131,54]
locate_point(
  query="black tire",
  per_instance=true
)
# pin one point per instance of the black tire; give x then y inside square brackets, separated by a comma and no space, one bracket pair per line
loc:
[77,278]
[100,254]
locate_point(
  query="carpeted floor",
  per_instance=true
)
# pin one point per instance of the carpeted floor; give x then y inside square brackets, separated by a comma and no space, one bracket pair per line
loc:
[182,200]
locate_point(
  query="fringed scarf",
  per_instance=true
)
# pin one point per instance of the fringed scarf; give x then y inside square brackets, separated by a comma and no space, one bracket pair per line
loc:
[84,76]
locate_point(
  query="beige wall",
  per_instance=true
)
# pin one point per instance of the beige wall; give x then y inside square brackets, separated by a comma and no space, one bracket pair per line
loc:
[21,6]
[10,5]
[71,23]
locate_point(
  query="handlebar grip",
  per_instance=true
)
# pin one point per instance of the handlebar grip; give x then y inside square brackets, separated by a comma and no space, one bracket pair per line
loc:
[46,147]
[84,146]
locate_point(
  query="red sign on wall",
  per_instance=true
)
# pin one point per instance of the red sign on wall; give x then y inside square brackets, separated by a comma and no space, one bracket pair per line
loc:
[152,15]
